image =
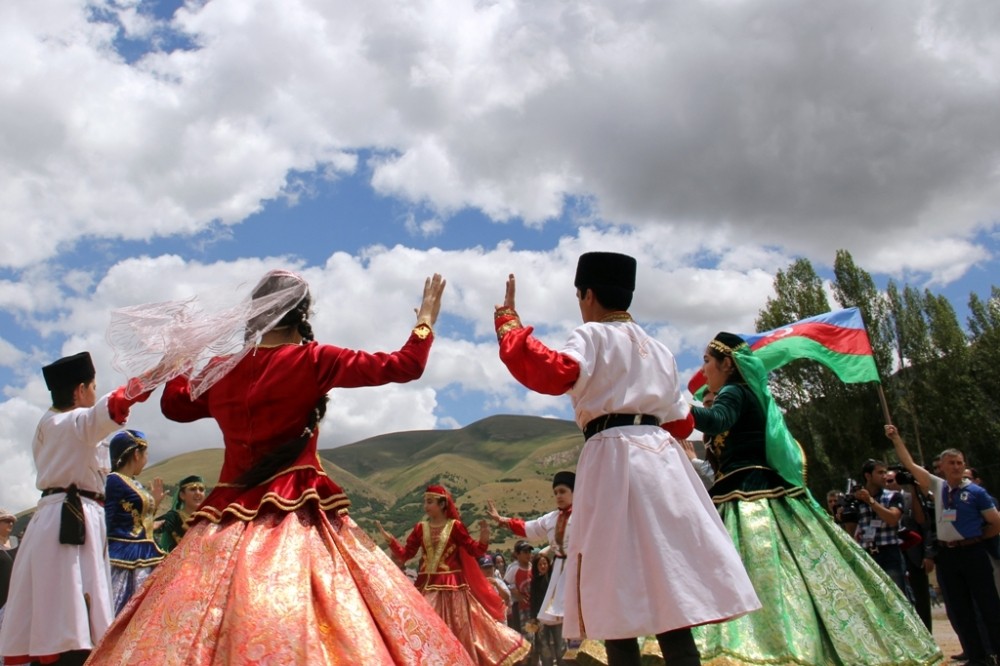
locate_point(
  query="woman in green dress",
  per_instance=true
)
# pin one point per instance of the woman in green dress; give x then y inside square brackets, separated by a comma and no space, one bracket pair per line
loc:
[825,601]
[173,524]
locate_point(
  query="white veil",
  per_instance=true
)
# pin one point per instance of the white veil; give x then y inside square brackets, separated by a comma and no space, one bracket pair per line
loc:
[156,342]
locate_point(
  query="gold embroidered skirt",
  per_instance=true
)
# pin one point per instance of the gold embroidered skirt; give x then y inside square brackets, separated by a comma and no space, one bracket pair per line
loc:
[488,641]
[285,588]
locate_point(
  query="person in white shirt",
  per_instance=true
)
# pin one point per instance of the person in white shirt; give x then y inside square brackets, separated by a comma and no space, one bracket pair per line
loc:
[59,603]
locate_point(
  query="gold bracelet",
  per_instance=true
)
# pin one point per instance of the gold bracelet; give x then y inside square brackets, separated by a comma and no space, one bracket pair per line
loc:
[423,331]
[507,328]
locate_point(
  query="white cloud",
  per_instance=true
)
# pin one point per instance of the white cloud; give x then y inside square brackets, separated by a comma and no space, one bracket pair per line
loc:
[858,125]
[18,418]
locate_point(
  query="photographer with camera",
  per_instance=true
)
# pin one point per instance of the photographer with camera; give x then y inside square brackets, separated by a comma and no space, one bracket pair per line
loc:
[878,518]
[849,508]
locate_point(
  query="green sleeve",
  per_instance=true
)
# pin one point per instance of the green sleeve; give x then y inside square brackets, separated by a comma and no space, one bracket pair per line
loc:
[166,536]
[723,415]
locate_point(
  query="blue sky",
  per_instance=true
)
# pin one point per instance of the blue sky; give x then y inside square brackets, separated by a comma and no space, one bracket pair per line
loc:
[159,150]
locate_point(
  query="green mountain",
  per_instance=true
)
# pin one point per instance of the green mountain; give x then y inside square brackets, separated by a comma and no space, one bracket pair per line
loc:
[510,459]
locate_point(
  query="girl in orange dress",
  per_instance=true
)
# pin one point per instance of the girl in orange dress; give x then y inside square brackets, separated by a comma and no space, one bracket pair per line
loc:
[273,570]
[452,582]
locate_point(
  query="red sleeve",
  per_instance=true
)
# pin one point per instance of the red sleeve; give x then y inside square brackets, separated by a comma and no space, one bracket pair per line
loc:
[345,368]
[176,403]
[535,365]
[516,525]
[460,536]
[680,428]
[413,543]
[119,406]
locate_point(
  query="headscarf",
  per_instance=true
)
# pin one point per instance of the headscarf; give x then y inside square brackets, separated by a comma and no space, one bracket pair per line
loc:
[783,453]
[481,588]
[184,483]
[156,342]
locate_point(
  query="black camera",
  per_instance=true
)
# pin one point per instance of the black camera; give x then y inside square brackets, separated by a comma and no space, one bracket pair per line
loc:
[903,476]
[850,506]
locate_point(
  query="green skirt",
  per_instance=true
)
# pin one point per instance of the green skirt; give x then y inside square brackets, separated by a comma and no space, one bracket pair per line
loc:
[825,601]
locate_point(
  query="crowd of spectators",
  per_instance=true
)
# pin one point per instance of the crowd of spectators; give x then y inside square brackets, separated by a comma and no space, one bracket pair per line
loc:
[934,531]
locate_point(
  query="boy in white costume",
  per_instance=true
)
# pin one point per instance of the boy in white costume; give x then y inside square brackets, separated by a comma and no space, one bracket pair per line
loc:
[650,554]
[60,592]
[554,528]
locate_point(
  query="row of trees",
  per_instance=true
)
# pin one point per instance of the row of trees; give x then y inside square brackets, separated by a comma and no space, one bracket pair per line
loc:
[941,380]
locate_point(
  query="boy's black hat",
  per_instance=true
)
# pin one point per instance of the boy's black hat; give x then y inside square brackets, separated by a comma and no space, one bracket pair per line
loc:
[564,479]
[69,371]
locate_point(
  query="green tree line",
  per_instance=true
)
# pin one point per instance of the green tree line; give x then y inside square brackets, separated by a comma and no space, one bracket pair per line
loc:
[941,380]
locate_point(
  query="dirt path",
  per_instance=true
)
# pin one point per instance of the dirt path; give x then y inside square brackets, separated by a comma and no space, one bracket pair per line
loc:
[944,634]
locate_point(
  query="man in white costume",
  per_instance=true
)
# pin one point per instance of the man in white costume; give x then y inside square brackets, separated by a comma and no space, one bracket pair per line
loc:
[60,593]
[650,554]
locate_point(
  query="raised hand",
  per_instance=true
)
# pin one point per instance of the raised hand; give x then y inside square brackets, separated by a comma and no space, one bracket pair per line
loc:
[491,511]
[484,531]
[688,447]
[157,491]
[508,298]
[385,534]
[430,306]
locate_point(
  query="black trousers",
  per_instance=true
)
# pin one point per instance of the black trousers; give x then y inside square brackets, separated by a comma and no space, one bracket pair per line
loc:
[71,658]
[966,576]
[920,586]
[677,646]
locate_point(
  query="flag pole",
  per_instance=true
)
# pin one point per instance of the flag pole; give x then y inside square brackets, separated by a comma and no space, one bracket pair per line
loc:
[885,405]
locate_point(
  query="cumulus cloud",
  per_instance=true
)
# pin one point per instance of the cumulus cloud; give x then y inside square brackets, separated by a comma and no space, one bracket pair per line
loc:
[854,125]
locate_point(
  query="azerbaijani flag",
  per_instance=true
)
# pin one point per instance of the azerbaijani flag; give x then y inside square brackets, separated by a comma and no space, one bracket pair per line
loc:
[838,340]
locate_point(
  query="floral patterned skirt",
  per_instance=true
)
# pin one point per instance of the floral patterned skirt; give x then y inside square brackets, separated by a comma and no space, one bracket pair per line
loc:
[826,602]
[285,588]
[488,641]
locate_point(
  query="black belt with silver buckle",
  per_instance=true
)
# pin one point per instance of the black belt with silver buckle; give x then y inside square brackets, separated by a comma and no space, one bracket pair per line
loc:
[97,497]
[616,421]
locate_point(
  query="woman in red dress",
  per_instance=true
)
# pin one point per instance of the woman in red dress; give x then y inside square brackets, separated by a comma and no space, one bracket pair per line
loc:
[273,570]
[453,583]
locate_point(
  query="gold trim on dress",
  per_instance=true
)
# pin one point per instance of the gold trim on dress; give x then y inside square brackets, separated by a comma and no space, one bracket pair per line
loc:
[507,327]
[754,495]
[287,470]
[338,502]
[136,564]
[141,521]
[719,477]
[434,553]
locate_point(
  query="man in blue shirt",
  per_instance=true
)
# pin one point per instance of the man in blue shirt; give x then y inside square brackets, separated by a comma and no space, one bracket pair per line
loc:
[965,517]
